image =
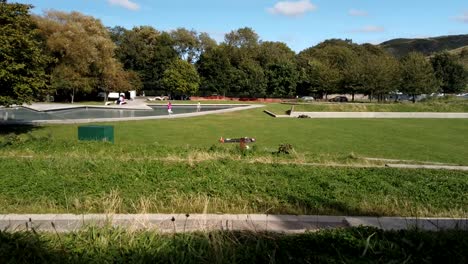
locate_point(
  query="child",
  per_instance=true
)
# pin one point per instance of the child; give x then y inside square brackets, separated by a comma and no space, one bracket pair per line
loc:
[169,108]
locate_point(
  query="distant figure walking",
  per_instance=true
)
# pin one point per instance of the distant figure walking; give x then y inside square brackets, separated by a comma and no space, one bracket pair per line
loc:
[198,107]
[169,108]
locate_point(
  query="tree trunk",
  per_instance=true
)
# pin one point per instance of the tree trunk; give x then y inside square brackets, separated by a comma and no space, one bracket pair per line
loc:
[352,97]
[73,96]
[414,98]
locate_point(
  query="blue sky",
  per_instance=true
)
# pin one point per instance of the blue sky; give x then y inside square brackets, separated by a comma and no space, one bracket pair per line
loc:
[299,23]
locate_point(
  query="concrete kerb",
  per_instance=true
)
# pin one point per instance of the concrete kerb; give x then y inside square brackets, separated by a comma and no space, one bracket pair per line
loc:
[209,222]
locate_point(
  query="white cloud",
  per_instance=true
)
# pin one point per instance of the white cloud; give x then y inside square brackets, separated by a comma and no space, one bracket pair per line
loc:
[356,12]
[125,3]
[292,8]
[463,18]
[369,29]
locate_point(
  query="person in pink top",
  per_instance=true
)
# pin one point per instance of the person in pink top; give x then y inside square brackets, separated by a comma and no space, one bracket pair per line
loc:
[169,108]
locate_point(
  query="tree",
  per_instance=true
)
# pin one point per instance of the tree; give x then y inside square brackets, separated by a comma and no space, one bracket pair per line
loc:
[146,51]
[453,77]
[281,79]
[381,72]
[270,52]
[190,44]
[22,59]
[181,78]
[242,38]
[279,65]
[417,75]
[215,71]
[83,50]
[249,80]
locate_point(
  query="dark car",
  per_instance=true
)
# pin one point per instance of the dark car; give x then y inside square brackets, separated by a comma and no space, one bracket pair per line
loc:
[339,99]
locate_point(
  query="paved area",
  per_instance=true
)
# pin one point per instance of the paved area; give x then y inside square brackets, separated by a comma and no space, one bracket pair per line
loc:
[210,222]
[136,104]
[378,115]
[45,107]
[426,166]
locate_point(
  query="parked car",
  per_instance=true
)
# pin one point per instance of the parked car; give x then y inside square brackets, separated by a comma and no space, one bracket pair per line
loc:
[339,99]
[307,98]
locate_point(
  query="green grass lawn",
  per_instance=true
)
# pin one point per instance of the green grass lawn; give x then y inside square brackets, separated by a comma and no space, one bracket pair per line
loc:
[93,180]
[177,165]
[433,105]
[433,140]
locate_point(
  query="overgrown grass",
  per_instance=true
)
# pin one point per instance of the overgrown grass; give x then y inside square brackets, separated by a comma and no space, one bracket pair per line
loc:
[445,104]
[354,245]
[66,177]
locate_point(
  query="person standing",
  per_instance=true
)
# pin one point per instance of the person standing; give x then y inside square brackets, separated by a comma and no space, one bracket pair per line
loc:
[198,107]
[169,107]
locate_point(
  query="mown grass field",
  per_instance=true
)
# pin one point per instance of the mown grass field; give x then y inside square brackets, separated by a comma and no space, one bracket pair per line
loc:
[177,165]
[356,245]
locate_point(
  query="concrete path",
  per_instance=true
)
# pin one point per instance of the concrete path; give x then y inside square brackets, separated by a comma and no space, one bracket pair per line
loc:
[45,107]
[209,222]
[136,105]
[426,166]
[377,115]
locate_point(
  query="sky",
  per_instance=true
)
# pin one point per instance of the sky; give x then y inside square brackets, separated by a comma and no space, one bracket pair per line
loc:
[299,23]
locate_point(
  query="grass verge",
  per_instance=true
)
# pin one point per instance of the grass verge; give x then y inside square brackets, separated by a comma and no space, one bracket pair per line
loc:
[354,245]
[448,104]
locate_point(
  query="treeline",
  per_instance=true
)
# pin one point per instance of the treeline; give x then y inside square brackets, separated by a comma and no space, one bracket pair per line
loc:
[70,54]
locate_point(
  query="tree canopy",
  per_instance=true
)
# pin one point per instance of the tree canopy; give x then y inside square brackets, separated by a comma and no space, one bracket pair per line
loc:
[22,59]
[84,54]
[74,54]
[181,78]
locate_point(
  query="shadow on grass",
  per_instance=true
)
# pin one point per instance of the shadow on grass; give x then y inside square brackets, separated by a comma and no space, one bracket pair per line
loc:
[353,245]
[6,129]
[317,205]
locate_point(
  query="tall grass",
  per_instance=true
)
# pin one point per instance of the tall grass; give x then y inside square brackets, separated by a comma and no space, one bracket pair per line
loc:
[355,245]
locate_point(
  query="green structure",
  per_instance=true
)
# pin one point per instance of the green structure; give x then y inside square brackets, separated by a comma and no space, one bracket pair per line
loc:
[97,133]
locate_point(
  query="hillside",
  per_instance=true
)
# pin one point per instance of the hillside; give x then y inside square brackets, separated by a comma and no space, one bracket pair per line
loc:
[400,47]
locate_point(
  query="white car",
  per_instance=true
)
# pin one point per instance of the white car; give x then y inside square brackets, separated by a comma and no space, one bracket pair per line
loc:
[307,98]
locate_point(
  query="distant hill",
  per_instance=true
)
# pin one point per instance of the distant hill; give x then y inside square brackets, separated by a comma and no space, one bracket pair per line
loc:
[400,47]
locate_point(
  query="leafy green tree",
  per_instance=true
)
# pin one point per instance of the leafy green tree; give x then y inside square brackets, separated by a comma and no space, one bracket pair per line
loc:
[215,72]
[281,79]
[453,77]
[22,59]
[270,52]
[242,38]
[381,72]
[248,80]
[146,51]
[417,75]
[323,67]
[84,53]
[190,44]
[181,78]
